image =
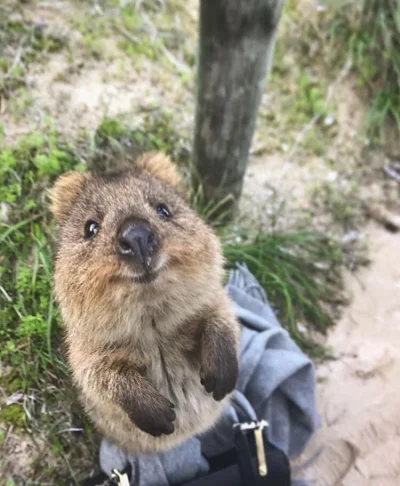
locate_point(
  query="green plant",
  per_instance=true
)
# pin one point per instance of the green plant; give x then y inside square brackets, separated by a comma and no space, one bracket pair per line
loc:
[375,45]
[212,212]
[31,353]
[27,313]
[95,30]
[310,99]
[13,414]
[301,274]
[22,42]
[368,31]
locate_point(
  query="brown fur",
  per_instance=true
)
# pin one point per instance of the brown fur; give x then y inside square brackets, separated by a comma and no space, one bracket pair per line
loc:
[65,192]
[155,362]
[160,166]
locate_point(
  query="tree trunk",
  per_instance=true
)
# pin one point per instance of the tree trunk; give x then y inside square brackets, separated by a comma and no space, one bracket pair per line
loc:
[235,53]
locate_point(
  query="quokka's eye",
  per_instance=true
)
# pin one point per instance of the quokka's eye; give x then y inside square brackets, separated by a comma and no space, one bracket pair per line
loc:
[163,211]
[91,229]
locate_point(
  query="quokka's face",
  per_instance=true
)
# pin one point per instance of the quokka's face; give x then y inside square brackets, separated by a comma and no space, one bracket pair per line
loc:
[129,229]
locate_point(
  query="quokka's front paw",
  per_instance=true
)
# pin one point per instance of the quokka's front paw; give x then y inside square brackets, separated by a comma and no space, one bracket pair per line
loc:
[154,416]
[219,371]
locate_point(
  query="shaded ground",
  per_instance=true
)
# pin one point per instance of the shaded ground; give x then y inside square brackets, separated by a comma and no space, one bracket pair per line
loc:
[310,164]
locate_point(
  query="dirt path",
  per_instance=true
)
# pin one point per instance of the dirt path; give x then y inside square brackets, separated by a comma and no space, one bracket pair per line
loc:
[359,392]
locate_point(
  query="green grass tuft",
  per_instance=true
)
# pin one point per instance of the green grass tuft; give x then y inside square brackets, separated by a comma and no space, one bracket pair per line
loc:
[213,212]
[301,274]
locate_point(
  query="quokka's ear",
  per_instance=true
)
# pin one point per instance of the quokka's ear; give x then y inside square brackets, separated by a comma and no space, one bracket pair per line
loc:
[160,167]
[65,191]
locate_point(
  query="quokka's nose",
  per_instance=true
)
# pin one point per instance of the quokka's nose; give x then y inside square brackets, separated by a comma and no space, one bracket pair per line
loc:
[136,242]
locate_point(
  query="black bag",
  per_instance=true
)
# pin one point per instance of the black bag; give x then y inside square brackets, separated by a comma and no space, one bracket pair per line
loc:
[253,462]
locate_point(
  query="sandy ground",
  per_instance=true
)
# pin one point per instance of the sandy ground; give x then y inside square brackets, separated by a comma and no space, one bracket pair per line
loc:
[358,392]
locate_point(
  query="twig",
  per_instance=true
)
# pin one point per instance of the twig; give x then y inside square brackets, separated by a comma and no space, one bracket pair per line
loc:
[179,66]
[71,429]
[393,170]
[71,471]
[130,37]
[18,54]
[5,293]
[382,215]
[150,25]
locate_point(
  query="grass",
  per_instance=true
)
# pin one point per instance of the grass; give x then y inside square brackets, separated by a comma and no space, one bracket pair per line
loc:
[301,273]
[314,49]
[26,234]
[340,199]
[213,212]
[306,113]
[21,43]
[310,99]
[31,354]
[369,32]
[143,31]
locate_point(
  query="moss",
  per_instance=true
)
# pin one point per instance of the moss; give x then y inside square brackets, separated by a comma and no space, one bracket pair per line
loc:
[13,415]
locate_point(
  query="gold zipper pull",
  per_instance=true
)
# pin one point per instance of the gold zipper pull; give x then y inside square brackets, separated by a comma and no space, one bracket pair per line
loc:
[257,428]
[259,439]
[122,479]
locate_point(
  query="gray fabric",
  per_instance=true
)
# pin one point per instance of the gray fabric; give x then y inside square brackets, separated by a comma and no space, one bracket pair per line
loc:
[276,382]
[165,468]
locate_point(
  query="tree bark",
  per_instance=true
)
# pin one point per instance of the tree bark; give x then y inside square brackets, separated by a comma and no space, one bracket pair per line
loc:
[235,53]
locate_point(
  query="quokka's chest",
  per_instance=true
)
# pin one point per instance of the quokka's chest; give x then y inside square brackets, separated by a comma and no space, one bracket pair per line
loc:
[173,366]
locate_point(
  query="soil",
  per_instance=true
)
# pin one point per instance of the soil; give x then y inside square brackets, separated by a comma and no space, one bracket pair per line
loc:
[358,392]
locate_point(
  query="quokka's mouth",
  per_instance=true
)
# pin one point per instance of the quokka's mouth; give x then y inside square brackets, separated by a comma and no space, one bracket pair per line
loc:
[146,277]
[129,274]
